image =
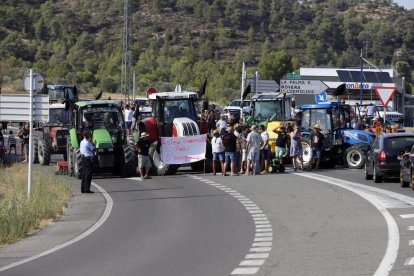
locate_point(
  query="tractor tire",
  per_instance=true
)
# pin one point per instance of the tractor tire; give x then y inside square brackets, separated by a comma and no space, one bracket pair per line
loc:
[354,158]
[159,168]
[307,160]
[131,141]
[77,164]
[44,152]
[35,149]
[129,161]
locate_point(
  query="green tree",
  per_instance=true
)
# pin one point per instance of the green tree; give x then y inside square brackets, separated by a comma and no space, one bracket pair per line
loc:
[274,65]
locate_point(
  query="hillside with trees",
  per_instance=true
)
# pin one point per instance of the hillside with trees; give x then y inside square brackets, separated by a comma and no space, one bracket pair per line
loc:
[184,41]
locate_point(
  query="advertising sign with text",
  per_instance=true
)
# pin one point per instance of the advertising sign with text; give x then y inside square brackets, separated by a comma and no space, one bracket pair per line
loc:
[183,150]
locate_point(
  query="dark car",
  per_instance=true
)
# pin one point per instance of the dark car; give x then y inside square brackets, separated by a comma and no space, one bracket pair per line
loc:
[406,167]
[383,157]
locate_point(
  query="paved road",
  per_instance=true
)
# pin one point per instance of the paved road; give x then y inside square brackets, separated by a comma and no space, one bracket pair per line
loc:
[287,224]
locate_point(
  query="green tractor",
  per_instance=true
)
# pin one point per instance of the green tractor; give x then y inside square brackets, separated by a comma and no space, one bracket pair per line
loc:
[115,149]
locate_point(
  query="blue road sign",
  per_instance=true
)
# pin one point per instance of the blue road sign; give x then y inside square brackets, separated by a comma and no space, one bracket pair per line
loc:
[321,98]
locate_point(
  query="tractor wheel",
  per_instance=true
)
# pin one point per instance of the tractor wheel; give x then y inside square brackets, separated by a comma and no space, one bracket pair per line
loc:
[159,167]
[367,175]
[354,158]
[44,152]
[77,164]
[131,141]
[307,159]
[35,149]
[129,161]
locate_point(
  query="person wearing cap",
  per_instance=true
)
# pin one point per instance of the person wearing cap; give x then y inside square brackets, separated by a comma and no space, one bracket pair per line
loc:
[230,150]
[296,147]
[254,142]
[87,151]
[281,143]
[264,149]
[316,139]
[218,151]
[144,161]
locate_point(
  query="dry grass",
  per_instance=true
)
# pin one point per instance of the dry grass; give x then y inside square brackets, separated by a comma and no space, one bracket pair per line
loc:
[19,215]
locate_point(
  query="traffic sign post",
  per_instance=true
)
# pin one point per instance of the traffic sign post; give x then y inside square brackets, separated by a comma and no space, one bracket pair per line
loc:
[33,82]
[307,87]
[321,98]
[385,95]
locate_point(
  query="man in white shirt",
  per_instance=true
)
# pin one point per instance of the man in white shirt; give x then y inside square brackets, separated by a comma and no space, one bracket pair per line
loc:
[86,150]
[128,118]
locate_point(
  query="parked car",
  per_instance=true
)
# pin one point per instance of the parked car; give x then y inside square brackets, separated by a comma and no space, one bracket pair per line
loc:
[395,116]
[235,106]
[406,167]
[383,157]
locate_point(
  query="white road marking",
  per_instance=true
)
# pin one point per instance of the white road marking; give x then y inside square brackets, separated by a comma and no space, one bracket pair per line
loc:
[261,222]
[409,261]
[245,271]
[263,239]
[264,229]
[410,228]
[135,178]
[382,200]
[104,217]
[252,262]
[257,256]
[263,225]
[411,243]
[263,234]
[260,249]
[407,216]
[262,244]
[269,234]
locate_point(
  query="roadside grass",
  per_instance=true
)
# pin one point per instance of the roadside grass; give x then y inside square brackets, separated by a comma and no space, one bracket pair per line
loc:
[20,216]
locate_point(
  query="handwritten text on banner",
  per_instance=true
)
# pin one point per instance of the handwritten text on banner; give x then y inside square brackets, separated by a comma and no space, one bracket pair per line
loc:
[182,150]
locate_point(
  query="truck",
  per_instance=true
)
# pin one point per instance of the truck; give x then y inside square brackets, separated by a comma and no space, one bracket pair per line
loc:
[173,115]
[342,143]
[115,150]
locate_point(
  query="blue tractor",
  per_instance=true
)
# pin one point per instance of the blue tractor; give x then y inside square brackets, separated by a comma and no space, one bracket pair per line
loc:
[342,143]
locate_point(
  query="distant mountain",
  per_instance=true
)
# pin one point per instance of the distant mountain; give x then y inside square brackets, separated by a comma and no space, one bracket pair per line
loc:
[185,41]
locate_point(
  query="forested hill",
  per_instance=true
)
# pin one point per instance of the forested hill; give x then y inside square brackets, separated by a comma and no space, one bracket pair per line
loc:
[184,41]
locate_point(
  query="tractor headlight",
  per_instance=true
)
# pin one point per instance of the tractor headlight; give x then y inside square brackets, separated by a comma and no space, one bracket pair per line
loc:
[114,139]
[110,149]
[100,150]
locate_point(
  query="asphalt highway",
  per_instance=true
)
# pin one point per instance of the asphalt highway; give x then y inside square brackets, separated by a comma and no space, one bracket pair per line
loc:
[317,223]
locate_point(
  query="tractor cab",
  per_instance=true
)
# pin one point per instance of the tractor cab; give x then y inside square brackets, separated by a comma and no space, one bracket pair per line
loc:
[268,107]
[58,93]
[170,106]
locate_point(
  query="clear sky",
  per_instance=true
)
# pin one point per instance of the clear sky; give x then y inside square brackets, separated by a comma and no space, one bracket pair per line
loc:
[408,4]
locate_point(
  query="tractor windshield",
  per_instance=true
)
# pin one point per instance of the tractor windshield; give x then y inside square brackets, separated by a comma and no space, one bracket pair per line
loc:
[178,108]
[57,93]
[102,117]
[311,117]
[59,116]
[263,110]
[341,117]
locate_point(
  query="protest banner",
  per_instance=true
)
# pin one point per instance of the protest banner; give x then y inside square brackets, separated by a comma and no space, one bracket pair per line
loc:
[183,150]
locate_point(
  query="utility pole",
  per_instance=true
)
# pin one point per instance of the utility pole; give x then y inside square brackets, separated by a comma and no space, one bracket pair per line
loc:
[126,73]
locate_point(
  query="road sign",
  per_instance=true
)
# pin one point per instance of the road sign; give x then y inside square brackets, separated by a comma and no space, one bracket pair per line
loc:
[321,98]
[293,76]
[16,108]
[38,82]
[150,91]
[385,94]
[309,87]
